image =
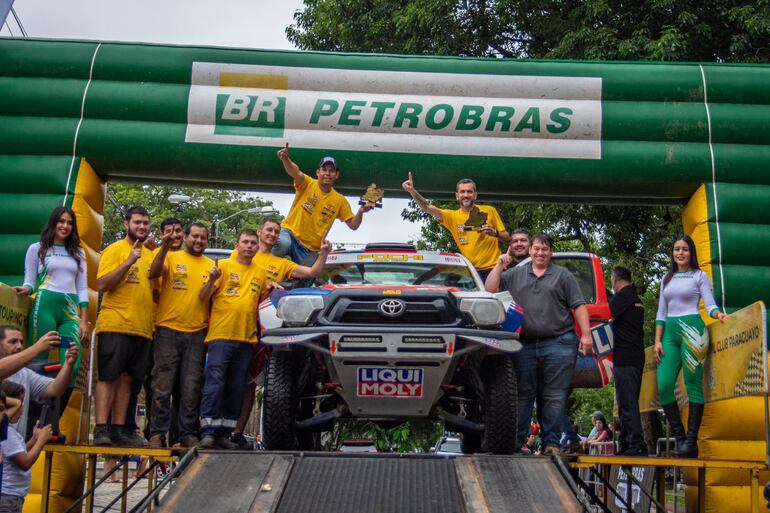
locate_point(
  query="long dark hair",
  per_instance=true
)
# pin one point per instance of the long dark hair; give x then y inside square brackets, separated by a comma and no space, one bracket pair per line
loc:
[693,258]
[71,243]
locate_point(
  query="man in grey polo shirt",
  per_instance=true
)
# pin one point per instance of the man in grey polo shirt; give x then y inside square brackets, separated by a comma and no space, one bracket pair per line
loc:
[549,295]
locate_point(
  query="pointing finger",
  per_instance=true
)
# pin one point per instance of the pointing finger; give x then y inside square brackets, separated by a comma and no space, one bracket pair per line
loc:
[287,147]
[410,176]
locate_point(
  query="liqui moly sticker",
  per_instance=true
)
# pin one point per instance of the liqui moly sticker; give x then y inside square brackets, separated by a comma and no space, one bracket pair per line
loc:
[389,382]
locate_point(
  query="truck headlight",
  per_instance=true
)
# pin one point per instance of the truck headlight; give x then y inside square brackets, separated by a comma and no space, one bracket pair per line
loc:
[297,310]
[484,312]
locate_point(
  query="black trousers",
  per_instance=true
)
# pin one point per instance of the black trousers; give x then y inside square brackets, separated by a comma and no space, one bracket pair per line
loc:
[628,383]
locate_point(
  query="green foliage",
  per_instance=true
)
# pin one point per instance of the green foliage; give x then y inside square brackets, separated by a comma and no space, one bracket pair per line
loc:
[587,401]
[414,436]
[205,205]
[662,30]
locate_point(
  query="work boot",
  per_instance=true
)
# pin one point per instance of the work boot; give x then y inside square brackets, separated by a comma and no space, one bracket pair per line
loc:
[125,438]
[157,442]
[189,441]
[240,440]
[102,435]
[208,442]
[677,428]
[224,443]
[689,448]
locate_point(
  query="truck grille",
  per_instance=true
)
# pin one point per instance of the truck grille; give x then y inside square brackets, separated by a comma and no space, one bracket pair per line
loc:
[421,310]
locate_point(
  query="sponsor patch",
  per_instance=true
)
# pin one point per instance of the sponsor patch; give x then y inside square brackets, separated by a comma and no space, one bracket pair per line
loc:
[389,382]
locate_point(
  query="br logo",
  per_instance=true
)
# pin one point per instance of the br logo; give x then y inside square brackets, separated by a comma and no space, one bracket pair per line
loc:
[252,115]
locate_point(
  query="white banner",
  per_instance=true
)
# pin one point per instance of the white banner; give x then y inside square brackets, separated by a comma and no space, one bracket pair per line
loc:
[400,112]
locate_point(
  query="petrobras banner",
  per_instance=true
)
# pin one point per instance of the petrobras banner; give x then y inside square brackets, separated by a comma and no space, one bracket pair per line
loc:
[397,112]
[736,364]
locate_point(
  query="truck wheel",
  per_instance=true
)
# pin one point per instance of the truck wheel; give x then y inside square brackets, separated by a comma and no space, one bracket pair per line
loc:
[279,432]
[500,405]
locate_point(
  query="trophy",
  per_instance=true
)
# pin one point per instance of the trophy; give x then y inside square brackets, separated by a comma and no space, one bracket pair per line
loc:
[373,196]
[476,219]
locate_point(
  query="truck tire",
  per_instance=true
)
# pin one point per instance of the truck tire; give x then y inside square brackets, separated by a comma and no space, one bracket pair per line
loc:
[500,405]
[470,443]
[279,432]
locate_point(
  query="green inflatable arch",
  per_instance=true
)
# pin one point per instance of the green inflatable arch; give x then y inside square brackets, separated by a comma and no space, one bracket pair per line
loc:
[525,130]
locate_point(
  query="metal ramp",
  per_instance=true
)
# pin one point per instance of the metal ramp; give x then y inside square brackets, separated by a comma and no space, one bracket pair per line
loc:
[265,482]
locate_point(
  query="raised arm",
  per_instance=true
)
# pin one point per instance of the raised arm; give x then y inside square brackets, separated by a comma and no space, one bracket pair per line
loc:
[290,167]
[157,269]
[208,289]
[13,363]
[111,280]
[303,271]
[493,280]
[424,204]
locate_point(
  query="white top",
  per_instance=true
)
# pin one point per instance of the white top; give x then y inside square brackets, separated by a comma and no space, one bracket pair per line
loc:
[59,272]
[683,293]
[15,480]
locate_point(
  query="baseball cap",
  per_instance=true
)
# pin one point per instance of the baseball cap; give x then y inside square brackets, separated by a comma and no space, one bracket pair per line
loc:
[329,160]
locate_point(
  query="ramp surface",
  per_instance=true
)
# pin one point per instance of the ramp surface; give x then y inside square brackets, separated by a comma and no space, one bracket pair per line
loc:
[264,482]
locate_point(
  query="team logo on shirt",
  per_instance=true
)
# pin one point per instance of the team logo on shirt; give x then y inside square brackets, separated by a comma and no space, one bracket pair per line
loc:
[460,227]
[133,274]
[328,211]
[309,205]
[462,241]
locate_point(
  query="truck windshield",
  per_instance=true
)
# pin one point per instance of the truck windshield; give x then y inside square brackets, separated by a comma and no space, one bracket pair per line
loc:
[384,273]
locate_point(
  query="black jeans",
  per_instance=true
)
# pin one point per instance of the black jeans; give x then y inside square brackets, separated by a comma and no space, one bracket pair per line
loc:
[177,355]
[628,383]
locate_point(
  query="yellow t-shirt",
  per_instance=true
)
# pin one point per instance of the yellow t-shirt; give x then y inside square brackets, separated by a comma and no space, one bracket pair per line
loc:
[276,268]
[128,308]
[179,307]
[482,250]
[313,212]
[235,302]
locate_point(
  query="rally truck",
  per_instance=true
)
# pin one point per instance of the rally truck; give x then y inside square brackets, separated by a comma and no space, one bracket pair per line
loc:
[390,334]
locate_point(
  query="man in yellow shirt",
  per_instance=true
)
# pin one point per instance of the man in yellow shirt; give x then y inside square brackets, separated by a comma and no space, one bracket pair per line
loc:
[482,246]
[276,270]
[316,205]
[181,322]
[234,287]
[124,327]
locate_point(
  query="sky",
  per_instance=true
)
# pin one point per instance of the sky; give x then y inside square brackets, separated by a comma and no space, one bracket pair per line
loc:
[233,23]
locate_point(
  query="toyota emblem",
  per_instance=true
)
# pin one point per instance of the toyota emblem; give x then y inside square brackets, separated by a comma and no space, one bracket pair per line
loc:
[392,307]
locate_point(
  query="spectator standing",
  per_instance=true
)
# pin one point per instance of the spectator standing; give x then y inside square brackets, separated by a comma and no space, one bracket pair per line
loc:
[37,388]
[628,358]
[482,246]
[276,270]
[518,248]
[181,322]
[18,456]
[549,294]
[124,328]
[316,205]
[55,271]
[681,340]
[234,287]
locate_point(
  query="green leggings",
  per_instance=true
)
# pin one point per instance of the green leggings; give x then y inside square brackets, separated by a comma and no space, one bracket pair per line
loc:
[54,311]
[685,344]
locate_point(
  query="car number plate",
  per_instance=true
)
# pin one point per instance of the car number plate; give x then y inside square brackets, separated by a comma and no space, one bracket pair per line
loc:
[389,382]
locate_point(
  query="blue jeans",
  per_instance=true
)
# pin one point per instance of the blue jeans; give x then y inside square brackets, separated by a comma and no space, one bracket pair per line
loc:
[289,245]
[544,370]
[227,368]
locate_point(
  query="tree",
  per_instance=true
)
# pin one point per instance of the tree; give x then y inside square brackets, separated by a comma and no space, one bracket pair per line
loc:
[684,30]
[205,205]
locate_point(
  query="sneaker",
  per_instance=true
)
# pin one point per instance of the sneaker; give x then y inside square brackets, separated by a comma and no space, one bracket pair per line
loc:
[157,442]
[102,436]
[240,440]
[224,443]
[208,442]
[189,441]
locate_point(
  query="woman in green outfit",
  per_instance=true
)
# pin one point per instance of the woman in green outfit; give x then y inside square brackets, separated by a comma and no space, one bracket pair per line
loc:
[681,340]
[55,272]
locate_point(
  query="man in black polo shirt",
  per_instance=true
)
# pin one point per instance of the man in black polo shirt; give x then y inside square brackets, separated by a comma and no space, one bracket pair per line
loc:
[549,294]
[628,358]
